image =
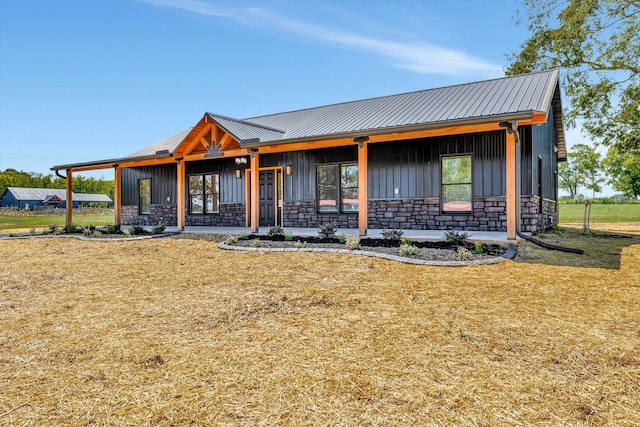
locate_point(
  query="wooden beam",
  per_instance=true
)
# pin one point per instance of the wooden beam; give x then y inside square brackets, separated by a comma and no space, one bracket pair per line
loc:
[91,168]
[69,194]
[255,197]
[537,119]
[362,188]
[117,195]
[511,185]
[147,162]
[180,202]
[227,154]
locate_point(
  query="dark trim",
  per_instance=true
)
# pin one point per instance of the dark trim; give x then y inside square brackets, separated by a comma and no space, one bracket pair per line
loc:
[443,156]
[204,194]
[140,196]
[339,210]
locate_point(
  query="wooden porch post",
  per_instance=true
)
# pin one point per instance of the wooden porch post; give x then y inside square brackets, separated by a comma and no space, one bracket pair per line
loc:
[69,204]
[180,202]
[362,187]
[511,184]
[117,194]
[255,198]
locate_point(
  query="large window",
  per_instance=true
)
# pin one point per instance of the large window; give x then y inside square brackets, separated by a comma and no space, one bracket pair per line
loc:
[337,188]
[204,196]
[456,184]
[144,194]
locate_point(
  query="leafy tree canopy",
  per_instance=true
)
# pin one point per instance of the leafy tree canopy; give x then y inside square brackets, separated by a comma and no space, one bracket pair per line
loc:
[623,167]
[582,170]
[596,44]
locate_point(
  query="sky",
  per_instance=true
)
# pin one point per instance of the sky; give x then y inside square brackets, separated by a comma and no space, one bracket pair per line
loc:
[84,80]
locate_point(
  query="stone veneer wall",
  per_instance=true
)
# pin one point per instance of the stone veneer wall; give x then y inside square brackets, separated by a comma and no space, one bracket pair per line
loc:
[166,214]
[489,214]
[230,215]
[303,214]
[532,219]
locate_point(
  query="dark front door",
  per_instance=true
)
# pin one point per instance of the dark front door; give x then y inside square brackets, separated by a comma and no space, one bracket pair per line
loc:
[266,185]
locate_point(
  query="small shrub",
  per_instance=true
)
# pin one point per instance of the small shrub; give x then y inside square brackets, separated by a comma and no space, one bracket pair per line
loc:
[464,254]
[455,237]
[477,247]
[353,243]
[86,231]
[392,234]
[326,231]
[276,231]
[298,244]
[243,236]
[96,233]
[408,249]
[135,230]
[255,243]
[230,240]
[32,232]
[288,236]
[113,229]
[158,228]
[342,238]
[54,229]
[70,228]
[405,241]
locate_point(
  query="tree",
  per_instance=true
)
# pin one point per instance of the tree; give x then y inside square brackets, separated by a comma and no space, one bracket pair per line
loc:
[587,162]
[623,168]
[569,178]
[596,44]
[582,170]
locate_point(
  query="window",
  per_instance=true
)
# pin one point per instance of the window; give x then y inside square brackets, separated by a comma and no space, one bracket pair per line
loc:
[456,184]
[204,194]
[144,194]
[337,187]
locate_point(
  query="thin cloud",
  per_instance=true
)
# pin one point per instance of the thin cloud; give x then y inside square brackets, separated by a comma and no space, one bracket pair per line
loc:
[423,58]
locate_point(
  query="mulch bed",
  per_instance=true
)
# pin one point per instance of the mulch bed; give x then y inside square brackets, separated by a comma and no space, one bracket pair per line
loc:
[435,251]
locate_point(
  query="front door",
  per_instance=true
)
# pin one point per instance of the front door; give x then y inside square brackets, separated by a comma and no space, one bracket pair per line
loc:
[267,192]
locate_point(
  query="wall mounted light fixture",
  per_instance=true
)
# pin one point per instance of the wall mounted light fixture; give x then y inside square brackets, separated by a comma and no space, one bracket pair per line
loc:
[288,169]
[238,173]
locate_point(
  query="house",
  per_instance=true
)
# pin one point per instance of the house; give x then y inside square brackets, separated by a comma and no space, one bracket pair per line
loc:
[476,156]
[31,198]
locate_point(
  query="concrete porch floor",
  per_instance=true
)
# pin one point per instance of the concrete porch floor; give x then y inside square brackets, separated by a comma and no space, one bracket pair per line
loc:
[418,235]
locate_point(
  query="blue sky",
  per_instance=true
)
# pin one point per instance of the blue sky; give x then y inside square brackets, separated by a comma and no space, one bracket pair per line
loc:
[84,80]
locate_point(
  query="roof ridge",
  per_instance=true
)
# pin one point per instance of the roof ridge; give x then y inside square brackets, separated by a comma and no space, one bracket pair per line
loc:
[246,122]
[394,95]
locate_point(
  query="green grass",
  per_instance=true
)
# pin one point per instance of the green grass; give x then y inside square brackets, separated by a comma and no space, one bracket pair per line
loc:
[25,223]
[574,213]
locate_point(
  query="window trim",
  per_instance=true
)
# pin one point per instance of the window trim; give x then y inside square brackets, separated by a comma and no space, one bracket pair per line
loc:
[140,204]
[340,205]
[204,193]
[442,184]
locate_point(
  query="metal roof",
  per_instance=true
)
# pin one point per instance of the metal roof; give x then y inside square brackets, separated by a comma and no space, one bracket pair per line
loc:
[168,144]
[245,130]
[503,97]
[498,99]
[43,193]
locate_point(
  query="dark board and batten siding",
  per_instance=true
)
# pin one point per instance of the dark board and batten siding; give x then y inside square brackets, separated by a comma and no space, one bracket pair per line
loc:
[301,184]
[413,167]
[232,189]
[163,184]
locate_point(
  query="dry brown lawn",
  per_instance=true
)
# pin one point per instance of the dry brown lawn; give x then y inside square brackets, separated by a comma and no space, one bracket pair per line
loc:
[177,332]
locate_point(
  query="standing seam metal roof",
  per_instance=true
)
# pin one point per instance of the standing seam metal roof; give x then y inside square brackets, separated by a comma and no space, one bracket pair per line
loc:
[502,97]
[499,97]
